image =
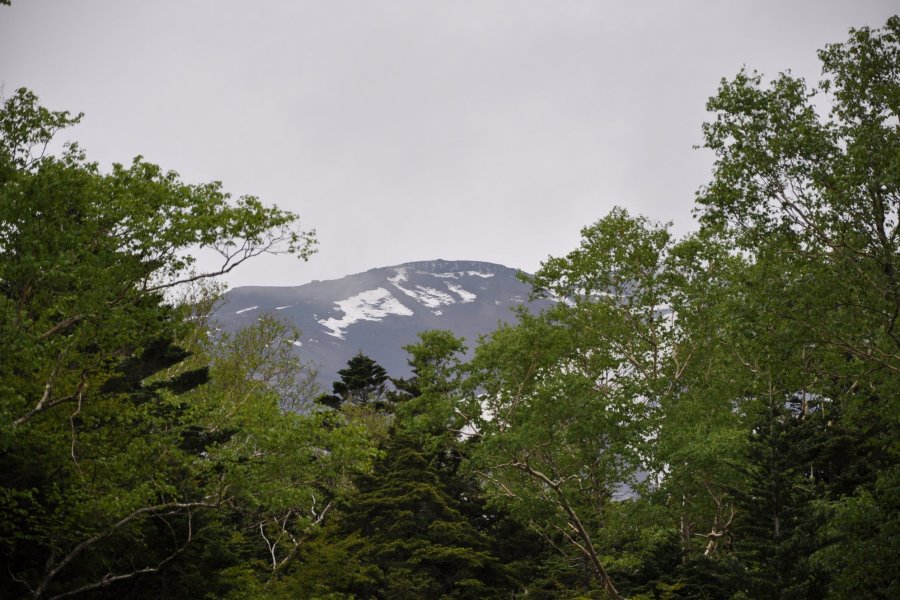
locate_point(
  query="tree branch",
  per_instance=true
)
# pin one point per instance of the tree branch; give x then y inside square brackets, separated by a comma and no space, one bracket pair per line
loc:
[45,403]
[60,326]
[575,522]
[109,578]
[50,573]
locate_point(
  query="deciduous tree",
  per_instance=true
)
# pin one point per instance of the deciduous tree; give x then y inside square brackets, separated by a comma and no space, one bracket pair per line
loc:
[106,470]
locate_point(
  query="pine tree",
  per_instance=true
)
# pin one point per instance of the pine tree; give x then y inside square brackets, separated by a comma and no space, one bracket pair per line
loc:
[362,382]
[777,529]
[418,525]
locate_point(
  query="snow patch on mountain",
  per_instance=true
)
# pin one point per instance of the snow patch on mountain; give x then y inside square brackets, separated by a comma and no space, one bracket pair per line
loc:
[243,310]
[430,297]
[466,295]
[400,274]
[371,305]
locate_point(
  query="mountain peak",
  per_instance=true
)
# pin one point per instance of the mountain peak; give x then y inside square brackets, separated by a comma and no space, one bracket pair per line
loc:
[383,309]
[442,266]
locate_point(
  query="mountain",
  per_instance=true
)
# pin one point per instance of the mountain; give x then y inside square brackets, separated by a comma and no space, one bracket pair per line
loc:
[381,310]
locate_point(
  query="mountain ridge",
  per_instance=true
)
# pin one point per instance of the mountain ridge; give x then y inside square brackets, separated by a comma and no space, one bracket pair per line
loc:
[382,309]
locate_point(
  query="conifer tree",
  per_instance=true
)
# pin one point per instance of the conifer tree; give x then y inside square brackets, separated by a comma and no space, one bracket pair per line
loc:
[418,526]
[362,382]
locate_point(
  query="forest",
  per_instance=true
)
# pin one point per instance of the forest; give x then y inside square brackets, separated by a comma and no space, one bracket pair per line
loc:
[710,416]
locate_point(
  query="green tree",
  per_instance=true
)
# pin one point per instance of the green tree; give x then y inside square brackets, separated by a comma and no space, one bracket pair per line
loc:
[106,473]
[408,533]
[700,436]
[566,400]
[816,199]
[426,400]
[811,202]
[774,505]
[362,382]
[87,256]
[418,526]
[285,469]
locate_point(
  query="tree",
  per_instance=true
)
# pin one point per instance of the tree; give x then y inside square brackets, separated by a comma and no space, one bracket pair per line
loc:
[105,467]
[285,468]
[811,202]
[565,401]
[818,198]
[75,500]
[362,382]
[696,433]
[406,534]
[418,525]
[86,256]
[426,400]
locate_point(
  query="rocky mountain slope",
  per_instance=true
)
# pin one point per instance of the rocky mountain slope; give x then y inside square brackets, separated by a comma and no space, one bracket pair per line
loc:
[381,310]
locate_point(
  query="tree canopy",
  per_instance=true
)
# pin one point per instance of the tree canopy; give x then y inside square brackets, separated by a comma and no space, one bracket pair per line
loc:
[119,446]
[714,416]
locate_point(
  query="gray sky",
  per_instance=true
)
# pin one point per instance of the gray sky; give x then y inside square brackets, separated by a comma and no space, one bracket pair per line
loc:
[414,130]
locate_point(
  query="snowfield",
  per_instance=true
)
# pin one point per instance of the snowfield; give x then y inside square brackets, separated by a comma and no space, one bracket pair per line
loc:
[466,295]
[430,297]
[371,305]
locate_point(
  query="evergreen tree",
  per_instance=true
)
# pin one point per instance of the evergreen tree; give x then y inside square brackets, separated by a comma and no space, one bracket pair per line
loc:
[773,537]
[362,382]
[418,527]
[407,534]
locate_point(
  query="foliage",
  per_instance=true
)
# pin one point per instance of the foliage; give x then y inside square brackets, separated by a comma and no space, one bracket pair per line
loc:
[812,201]
[426,401]
[417,527]
[407,536]
[566,399]
[817,199]
[863,528]
[118,457]
[710,417]
[362,382]
[86,256]
[284,468]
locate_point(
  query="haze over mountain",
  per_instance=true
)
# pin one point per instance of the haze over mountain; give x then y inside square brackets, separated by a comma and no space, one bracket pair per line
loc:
[381,310]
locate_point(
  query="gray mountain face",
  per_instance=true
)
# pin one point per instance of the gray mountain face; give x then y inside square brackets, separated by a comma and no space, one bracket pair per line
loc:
[380,311]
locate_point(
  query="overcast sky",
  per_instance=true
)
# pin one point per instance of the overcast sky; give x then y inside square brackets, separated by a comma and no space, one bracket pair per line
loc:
[414,130]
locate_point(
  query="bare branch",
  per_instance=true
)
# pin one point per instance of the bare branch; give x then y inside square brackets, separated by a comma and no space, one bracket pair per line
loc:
[51,573]
[61,326]
[72,420]
[45,403]
[109,578]
[233,258]
[575,522]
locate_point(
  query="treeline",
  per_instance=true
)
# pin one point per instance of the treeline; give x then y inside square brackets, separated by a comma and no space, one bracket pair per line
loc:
[714,416]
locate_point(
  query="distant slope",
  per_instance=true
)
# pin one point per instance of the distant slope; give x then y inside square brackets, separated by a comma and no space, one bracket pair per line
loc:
[382,310]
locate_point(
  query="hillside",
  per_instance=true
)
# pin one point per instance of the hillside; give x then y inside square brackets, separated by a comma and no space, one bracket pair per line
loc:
[381,310]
